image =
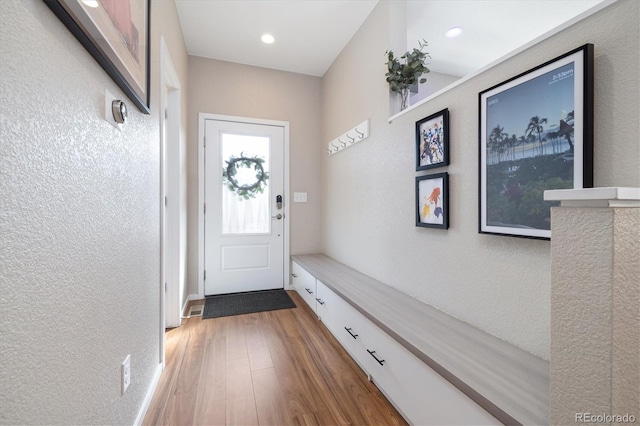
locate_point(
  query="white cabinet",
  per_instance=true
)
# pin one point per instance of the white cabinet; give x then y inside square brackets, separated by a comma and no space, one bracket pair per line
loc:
[343,321]
[325,304]
[423,396]
[305,284]
[350,328]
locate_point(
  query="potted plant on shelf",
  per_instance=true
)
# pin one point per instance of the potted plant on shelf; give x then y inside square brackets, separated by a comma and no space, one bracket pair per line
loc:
[405,71]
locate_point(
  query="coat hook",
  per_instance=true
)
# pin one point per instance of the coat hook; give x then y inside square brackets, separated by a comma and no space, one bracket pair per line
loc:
[360,135]
[342,143]
[335,148]
[352,139]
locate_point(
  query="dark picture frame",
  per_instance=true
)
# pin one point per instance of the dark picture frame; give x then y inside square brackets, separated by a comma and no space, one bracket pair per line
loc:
[432,201]
[116,33]
[432,141]
[535,134]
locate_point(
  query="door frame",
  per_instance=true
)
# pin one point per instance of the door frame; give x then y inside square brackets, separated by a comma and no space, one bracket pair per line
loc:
[202,117]
[170,187]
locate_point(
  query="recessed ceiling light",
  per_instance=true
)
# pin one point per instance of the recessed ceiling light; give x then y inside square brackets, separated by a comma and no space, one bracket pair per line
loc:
[90,3]
[453,32]
[268,39]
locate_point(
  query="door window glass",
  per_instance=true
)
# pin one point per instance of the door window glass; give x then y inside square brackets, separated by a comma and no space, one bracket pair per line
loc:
[246,196]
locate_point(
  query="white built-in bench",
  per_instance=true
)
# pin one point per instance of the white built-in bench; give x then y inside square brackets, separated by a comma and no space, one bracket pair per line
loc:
[433,367]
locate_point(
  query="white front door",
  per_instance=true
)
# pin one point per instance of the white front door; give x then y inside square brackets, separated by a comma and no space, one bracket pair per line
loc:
[243,221]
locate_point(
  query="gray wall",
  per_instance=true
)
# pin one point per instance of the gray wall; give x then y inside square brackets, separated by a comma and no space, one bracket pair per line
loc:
[226,88]
[499,284]
[79,215]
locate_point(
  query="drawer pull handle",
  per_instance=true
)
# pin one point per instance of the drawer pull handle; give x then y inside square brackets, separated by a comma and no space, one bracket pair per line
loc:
[308,290]
[294,275]
[320,301]
[349,331]
[372,353]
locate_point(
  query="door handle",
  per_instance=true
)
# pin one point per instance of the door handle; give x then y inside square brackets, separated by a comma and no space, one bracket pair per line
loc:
[349,331]
[278,216]
[373,354]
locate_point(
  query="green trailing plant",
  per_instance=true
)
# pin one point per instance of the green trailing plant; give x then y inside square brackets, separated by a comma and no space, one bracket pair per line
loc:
[406,70]
[230,171]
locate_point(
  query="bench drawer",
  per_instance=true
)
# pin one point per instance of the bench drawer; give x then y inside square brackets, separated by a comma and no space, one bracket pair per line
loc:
[305,284]
[344,322]
[420,394]
[326,305]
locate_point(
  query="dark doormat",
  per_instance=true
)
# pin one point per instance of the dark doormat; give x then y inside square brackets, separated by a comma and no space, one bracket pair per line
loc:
[246,303]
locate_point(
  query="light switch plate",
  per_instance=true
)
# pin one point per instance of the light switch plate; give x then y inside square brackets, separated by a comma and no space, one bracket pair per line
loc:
[299,197]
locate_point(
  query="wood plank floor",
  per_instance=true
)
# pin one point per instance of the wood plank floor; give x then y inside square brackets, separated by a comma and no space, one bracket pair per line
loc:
[270,368]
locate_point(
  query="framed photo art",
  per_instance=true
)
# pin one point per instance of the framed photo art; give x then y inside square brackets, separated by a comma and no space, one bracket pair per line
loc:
[536,133]
[432,141]
[116,34]
[432,201]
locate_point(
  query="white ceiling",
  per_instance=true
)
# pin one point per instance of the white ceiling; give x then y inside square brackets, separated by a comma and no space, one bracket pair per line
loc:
[492,28]
[311,33]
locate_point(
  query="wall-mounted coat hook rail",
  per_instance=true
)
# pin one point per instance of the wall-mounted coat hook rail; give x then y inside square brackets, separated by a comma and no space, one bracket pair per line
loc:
[361,131]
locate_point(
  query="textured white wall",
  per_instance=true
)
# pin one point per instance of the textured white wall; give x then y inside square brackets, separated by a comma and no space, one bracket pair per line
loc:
[595,312]
[226,88]
[79,217]
[581,296]
[625,330]
[499,284]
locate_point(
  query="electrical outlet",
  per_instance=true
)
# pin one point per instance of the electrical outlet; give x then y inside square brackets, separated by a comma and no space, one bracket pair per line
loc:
[126,373]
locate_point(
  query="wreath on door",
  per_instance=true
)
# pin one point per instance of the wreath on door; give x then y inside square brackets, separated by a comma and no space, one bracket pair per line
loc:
[246,191]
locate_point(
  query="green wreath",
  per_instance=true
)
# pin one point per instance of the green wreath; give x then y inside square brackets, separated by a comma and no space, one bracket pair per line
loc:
[231,169]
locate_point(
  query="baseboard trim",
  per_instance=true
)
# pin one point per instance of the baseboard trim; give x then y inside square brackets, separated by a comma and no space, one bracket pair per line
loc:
[185,306]
[186,303]
[149,396]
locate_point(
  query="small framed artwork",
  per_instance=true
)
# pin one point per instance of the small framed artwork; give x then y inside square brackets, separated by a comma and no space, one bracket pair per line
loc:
[432,201]
[116,34]
[432,141]
[535,134]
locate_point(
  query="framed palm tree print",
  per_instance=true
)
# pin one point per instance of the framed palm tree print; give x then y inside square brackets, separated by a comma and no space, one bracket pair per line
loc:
[535,134]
